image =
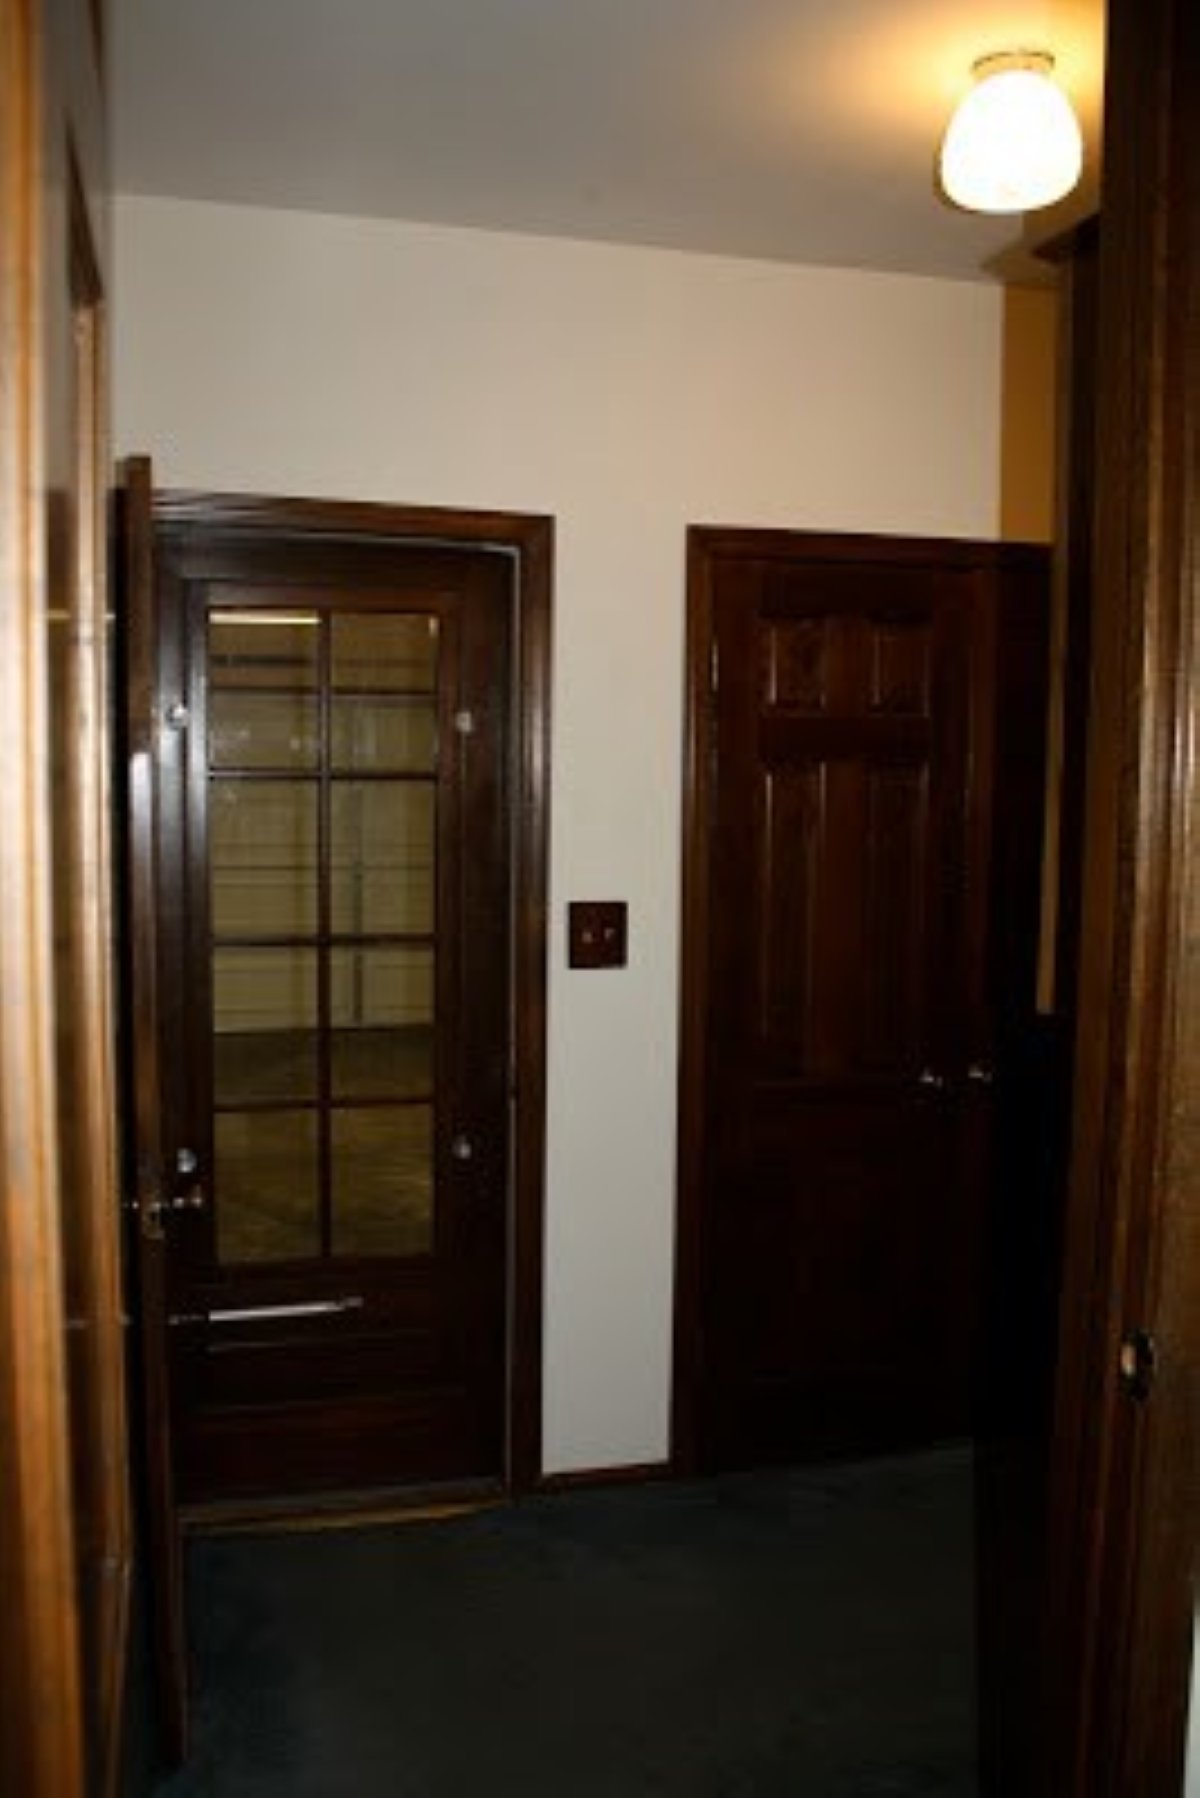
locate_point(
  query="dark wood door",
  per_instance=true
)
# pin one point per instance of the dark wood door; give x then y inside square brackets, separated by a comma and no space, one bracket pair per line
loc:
[64,1523]
[856,999]
[334,885]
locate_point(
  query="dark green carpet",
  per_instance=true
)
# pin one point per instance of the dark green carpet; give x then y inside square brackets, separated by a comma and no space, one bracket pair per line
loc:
[800,1633]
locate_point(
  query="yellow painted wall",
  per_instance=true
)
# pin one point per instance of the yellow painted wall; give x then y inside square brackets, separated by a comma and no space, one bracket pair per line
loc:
[1028,456]
[1027,426]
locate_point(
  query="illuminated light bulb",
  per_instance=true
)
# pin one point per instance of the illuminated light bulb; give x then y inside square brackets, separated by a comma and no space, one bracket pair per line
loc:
[1014,143]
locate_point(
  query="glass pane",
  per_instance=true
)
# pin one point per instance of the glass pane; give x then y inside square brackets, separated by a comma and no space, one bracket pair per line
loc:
[262,849]
[383,1181]
[266,1186]
[383,857]
[263,649]
[385,652]
[389,735]
[262,690]
[382,1006]
[380,988]
[264,1020]
[262,730]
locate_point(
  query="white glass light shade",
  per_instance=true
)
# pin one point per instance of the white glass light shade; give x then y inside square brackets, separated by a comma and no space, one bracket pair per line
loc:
[1014,143]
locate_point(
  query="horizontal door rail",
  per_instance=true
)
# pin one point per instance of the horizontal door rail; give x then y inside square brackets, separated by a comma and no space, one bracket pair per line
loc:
[245,1314]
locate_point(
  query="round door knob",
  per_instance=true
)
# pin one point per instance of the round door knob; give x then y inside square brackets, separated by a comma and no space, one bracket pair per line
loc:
[462,1148]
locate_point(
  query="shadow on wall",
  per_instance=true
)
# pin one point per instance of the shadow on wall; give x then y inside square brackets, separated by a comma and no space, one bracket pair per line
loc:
[1027,415]
[1028,458]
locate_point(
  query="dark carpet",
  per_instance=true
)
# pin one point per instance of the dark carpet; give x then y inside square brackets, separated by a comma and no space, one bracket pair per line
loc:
[801,1633]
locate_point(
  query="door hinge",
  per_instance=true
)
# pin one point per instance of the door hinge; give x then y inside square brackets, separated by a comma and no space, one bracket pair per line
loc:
[1138,1364]
[464,723]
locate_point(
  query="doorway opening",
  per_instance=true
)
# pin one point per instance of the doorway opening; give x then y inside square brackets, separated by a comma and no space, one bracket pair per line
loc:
[866,1190]
[862,888]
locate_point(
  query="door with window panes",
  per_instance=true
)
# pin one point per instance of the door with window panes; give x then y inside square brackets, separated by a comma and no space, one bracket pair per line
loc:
[334,866]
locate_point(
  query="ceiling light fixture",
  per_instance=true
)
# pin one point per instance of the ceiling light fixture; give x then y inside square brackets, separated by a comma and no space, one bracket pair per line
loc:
[1014,142]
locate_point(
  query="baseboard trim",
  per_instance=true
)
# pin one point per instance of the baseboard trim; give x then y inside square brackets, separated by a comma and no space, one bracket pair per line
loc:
[587,1479]
[343,1510]
[404,1504]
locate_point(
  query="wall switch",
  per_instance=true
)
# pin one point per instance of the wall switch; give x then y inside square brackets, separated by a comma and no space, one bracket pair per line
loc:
[597,933]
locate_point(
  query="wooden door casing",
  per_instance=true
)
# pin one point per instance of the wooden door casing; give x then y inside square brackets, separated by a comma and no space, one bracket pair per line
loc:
[1126,1455]
[318,537]
[860,924]
[64,1520]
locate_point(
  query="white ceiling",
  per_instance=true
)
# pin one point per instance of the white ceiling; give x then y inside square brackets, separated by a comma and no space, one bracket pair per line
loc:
[798,130]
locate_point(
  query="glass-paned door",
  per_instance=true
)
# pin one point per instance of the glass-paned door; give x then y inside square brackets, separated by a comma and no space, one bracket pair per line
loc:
[337,808]
[323,747]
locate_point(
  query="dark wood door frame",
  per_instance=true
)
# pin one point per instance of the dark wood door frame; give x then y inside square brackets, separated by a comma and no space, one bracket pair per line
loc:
[1124,1529]
[529,540]
[64,1515]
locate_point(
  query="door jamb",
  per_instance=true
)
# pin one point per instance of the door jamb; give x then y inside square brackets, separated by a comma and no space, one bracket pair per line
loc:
[698,773]
[529,539]
[1127,1473]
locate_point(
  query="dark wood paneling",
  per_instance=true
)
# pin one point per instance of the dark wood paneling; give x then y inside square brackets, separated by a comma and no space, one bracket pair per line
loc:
[348,1444]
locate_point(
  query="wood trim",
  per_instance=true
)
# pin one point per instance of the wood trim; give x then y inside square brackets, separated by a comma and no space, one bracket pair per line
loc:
[92,995]
[1127,1493]
[533,668]
[600,1479]
[705,545]
[693,995]
[343,1510]
[529,538]
[526,533]
[40,1638]
[710,541]
[407,1504]
[93,1005]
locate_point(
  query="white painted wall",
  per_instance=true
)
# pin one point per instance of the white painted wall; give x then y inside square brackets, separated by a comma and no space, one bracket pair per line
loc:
[628,392]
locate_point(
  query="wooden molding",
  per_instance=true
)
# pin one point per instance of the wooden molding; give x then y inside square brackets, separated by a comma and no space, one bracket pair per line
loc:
[599,1479]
